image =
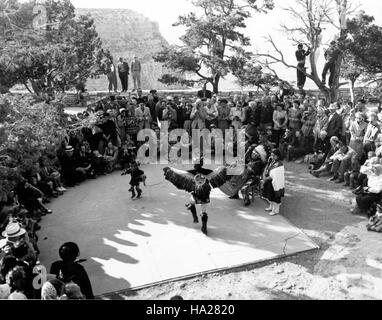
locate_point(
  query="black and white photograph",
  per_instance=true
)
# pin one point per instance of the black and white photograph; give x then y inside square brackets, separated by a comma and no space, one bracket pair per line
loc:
[197,150]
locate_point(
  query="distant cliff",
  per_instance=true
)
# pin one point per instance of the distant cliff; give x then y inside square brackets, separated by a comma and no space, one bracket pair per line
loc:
[127,33]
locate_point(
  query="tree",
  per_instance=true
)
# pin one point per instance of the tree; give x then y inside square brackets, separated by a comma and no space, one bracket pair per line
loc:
[249,73]
[211,38]
[365,46]
[314,16]
[56,55]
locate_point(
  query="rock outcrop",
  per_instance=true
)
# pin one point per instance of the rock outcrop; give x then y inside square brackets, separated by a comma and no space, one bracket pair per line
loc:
[127,33]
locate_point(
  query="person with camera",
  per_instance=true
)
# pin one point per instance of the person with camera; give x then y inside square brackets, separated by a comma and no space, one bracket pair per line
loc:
[198,115]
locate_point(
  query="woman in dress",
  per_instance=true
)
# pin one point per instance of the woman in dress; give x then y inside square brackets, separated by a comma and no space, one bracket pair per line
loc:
[274,182]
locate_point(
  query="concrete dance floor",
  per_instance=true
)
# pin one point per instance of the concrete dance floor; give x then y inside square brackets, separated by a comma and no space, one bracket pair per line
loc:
[135,243]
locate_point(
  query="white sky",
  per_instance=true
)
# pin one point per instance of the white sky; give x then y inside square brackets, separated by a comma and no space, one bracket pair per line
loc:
[165,12]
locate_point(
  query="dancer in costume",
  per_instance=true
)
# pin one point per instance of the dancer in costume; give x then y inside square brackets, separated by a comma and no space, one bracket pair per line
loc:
[199,182]
[137,176]
[256,165]
[274,182]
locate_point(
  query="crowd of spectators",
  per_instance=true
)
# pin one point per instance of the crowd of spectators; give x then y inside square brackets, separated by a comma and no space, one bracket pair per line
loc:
[341,140]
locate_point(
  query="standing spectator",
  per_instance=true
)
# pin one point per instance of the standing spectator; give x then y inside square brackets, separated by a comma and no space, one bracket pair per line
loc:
[372,132]
[357,130]
[335,122]
[237,115]
[123,71]
[308,120]
[294,116]
[198,116]
[143,116]
[224,112]
[136,69]
[252,115]
[266,115]
[112,76]
[151,105]
[280,120]
[212,113]
[321,123]
[187,118]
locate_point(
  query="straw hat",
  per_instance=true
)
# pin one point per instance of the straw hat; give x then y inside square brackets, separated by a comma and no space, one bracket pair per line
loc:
[13,230]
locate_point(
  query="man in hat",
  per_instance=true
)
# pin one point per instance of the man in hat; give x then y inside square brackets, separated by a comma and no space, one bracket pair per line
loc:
[136,69]
[68,166]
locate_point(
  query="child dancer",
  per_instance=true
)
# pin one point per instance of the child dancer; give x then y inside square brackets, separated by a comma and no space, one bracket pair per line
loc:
[137,176]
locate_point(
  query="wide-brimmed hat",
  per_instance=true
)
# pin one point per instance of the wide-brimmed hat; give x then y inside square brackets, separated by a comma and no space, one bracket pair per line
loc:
[69,148]
[13,230]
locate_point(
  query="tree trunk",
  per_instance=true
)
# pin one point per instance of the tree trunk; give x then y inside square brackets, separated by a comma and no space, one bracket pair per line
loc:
[351,85]
[215,84]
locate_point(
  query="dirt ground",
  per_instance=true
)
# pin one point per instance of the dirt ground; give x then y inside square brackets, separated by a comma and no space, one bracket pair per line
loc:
[348,264]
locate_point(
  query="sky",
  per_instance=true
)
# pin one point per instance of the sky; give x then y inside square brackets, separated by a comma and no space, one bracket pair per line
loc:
[165,12]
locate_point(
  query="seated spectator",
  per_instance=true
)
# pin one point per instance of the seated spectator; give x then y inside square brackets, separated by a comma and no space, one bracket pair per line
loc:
[98,163]
[351,177]
[18,282]
[341,163]
[72,292]
[68,164]
[362,177]
[372,194]
[31,198]
[111,157]
[320,150]
[300,146]
[49,174]
[335,145]
[52,290]
[69,270]
[83,164]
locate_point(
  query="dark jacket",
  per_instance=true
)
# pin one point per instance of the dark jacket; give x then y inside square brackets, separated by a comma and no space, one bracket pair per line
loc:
[335,126]
[266,115]
[73,271]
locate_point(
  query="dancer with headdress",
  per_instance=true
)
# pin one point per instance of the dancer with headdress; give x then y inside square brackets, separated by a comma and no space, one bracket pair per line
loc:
[199,182]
